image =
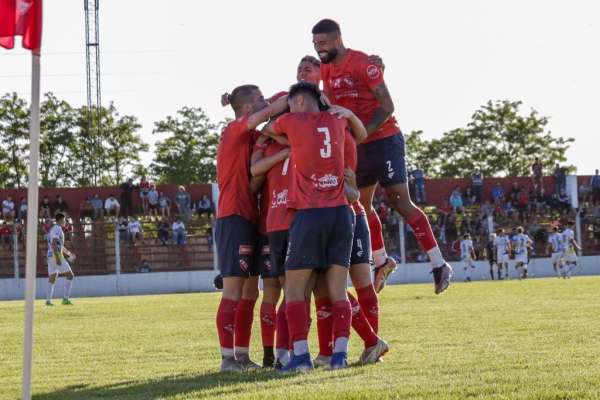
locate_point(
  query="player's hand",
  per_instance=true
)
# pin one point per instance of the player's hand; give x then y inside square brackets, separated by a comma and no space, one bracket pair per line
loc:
[225,99]
[72,257]
[376,60]
[350,177]
[285,153]
[340,112]
[262,139]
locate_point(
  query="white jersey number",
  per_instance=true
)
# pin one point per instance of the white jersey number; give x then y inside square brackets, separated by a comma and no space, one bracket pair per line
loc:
[325,152]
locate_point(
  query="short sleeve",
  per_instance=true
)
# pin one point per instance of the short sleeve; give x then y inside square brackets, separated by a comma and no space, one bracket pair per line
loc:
[371,74]
[280,124]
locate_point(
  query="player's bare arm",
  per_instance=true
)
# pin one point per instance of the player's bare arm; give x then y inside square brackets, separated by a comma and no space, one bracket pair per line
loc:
[384,111]
[356,126]
[262,165]
[350,186]
[275,108]
[256,183]
[268,131]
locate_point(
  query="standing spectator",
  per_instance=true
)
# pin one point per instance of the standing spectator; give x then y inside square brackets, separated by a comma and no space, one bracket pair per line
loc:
[498,193]
[523,205]
[123,228]
[560,179]
[162,231]
[111,206]
[537,174]
[97,207]
[184,203]
[22,214]
[8,209]
[144,190]
[135,230]
[179,233]
[153,201]
[514,193]
[205,206]
[584,193]
[164,202]
[469,197]
[477,184]
[456,200]
[60,206]
[127,189]
[595,187]
[85,208]
[419,176]
[45,208]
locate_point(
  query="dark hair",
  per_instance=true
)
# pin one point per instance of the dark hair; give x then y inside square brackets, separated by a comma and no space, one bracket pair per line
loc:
[326,26]
[310,59]
[520,229]
[241,95]
[305,88]
[59,216]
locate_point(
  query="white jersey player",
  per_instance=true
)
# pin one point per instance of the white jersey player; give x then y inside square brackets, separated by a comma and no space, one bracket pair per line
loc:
[467,255]
[570,250]
[556,249]
[57,264]
[522,243]
[502,245]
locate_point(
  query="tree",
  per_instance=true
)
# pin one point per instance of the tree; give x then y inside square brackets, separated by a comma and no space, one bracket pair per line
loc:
[14,135]
[188,154]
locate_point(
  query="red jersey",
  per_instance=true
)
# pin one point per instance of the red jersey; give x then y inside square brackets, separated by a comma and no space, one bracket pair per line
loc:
[144,185]
[233,171]
[279,179]
[351,85]
[350,158]
[317,141]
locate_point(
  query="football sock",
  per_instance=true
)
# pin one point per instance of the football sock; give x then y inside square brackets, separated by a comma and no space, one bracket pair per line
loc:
[244,315]
[225,326]
[68,286]
[377,243]
[342,320]
[369,303]
[422,229]
[298,325]
[324,325]
[361,325]
[283,334]
[468,272]
[50,291]
[267,324]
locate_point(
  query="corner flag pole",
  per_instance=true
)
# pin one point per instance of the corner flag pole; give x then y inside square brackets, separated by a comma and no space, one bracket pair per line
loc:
[32,225]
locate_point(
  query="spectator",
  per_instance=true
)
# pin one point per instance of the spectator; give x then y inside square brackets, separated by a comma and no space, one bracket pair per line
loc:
[123,228]
[179,233]
[144,190]
[419,176]
[60,206]
[477,184]
[6,235]
[498,193]
[135,230]
[563,202]
[596,230]
[127,189]
[205,206]
[595,187]
[584,192]
[45,208]
[152,198]
[537,175]
[162,231]
[97,207]
[8,209]
[68,229]
[85,208]
[523,205]
[22,211]
[184,203]
[111,206]
[514,192]
[469,197]
[164,202]
[456,200]
[560,179]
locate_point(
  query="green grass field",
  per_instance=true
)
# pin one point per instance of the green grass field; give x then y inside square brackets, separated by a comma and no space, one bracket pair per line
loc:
[536,339]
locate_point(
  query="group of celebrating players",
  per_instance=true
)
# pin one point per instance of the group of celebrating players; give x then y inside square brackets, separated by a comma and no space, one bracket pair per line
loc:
[295,207]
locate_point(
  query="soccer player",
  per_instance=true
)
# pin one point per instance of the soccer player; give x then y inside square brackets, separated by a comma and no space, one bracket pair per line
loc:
[235,228]
[320,235]
[571,247]
[502,245]
[57,264]
[491,256]
[351,81]
[522,242]
[556,250]
[467,255]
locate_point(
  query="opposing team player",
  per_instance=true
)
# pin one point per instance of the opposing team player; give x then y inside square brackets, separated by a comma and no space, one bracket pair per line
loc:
[320,235]
[571,248]
[502,245]
[235,229]
[522,243]
[351,81]
[467,255]
[57,263]
[556,249]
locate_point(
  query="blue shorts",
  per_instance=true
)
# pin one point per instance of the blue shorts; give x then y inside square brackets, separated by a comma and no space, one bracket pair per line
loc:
[361,243]
[278,245]
[263,257]
[320,237]
[381,161]
[235,239]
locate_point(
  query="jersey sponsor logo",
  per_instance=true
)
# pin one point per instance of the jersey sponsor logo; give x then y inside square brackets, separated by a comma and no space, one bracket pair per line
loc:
[326,181]
[373,72]
[279,199]
[343,81]
[246,249]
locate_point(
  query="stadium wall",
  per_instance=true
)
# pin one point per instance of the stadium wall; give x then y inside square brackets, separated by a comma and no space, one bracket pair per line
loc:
[201,281]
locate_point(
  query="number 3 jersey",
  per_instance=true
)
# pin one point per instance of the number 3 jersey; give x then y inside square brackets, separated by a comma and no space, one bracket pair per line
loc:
[317,141]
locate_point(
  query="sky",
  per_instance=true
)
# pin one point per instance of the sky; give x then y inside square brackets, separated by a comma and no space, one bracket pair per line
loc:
[443,58]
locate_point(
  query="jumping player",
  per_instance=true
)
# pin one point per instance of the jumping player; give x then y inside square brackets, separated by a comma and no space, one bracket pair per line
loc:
[467,255]
[351,81]
[522,243]
[57,264]
[502,245]
[556,250]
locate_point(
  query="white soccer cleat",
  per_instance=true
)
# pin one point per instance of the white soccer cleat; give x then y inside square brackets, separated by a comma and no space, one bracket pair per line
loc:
[374,353]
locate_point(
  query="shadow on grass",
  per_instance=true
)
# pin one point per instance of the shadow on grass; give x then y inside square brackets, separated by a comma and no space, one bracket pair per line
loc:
[213,384]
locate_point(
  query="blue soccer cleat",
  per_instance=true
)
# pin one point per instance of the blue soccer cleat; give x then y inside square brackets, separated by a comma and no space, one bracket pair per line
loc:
[339,360]
[298,364]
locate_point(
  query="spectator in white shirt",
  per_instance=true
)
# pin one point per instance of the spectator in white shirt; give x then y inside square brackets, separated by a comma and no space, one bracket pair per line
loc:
[22,214]
[8,209]
[204,206]
[112,206]
[136,231]
[179,233]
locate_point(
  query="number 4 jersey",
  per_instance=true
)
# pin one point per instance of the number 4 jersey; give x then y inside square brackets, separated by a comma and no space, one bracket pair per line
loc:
[317,142]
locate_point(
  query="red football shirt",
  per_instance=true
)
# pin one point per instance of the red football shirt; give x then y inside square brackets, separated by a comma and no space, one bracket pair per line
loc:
[350,158]
[279,179]
[317,142]
[350,85]
[233,171]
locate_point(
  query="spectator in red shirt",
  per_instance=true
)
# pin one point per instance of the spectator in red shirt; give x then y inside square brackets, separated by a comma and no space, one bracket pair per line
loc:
[6,234]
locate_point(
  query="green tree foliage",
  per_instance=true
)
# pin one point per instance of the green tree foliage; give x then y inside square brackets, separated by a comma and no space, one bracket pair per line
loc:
[188,153]
[14,143]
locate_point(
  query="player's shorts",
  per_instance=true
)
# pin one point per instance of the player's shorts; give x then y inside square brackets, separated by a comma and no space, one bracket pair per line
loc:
[143,194]
[381,161]
[262,256]
[361,242]
[570,258]
[235,239]
[467,262]
[320,237]
[278,246]
[502,258]
[55,268]
[521,258]
[556,257]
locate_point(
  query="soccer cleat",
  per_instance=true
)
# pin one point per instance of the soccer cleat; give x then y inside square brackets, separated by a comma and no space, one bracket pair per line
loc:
[218,282]
[441,277]
[382,273]
[268,357]
[66,302]
[230,364]
[374,353]
[322,361]
[246,363]
[297,364]
[49,303]
[339,361]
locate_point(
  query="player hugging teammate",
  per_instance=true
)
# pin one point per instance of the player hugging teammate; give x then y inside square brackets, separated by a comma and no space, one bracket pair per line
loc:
[310,232]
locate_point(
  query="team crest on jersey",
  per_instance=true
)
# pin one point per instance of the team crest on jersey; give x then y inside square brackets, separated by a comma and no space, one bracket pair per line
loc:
[373,72]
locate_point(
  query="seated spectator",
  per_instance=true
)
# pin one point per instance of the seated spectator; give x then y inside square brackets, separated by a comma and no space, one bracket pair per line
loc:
[123,228]
[97,207]
[498,192]
[179,232]
[162,230]
[204,206]
[563,202]
[456,200]
[469,197]
[164,203]
[8,209]
[514,192]
[85,209]
[68,229]
[112,206]
[45,208]
[60,206]
[135,230]
[153,198]
[22,214]
[6,235]
[584,192]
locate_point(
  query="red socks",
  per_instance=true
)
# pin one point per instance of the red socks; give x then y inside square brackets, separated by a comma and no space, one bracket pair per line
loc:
[283,333]
[324,326]
[369,304]
[376,231]
[342,319]
[420,226]
[267,324]
[361,324]
[297,320]
[244,315]
[225,325]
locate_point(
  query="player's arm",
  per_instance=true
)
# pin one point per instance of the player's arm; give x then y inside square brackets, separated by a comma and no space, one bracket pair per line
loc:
[575,244]
[256,183]
[356,126]
[350,186]
[273,109]
[261,165]
[270,131]
[385,109]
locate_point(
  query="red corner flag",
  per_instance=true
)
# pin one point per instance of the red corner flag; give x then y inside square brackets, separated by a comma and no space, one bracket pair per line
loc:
[21,18]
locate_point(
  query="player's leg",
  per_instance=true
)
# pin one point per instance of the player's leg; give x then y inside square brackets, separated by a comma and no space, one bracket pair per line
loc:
[69,277]
[467,270]
[268,307]
[52,274]
[324,321]
[244,317]
[278,244]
